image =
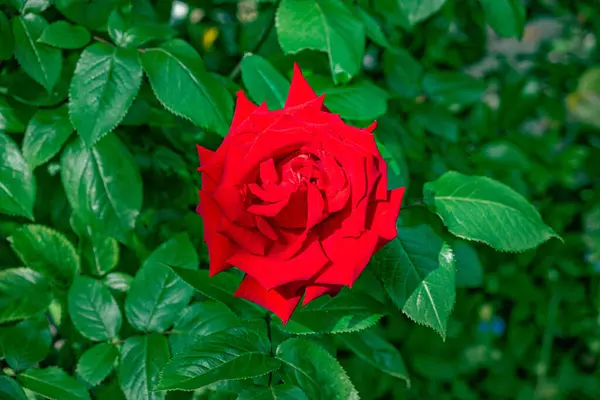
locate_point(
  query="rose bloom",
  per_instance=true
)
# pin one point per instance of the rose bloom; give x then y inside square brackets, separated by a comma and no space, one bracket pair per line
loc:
[296,199]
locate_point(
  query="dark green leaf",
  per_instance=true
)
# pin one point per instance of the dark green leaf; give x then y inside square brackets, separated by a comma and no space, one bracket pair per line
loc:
[372,28]
[96,363]
[388,135]
[46,133]
[131,30]
[449,88]
[238,353]
[185,88]
[34,6]
[10,389]
[416,11]
[18,184]
[53,383]
[378,352]
[349,101]
[438,121]
[323,25]
[342,313]
[26,343]
[141,362]
[506,17]
[92,14]
[278,392]
[103,185]
[100,251]
[469,271]
[199,320]
[220,288]
[93,309]
[502,154]
[417,271]
[47,252]
[157,293]
[314,370]
[105,83]
[13,117]
[7,44]
[64,35]
[264,83]
[402,73]
[482,209]
[23,294]
[41,62]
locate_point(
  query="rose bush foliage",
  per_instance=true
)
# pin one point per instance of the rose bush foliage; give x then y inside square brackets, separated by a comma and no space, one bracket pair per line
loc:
[119,279]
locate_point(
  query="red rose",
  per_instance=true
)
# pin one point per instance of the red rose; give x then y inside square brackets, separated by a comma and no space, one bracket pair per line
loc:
[296,199]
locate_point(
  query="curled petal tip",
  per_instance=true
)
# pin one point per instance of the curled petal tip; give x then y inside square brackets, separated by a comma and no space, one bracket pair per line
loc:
[371,127]
[300,91]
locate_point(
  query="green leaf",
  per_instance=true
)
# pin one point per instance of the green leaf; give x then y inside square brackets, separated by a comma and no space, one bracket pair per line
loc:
[482,209]
[323,25]
[314,370]
[506,17]
[416,11]
[7,44]
[199,320]
[17,184]
[47,252]
[180,82]
[220,288]
[378,352]
[503,155]
[277,392]
[388,136]
[131,30]
[34,6]
[438,121]
[105,83]
[10,389]
[469,271]
[13,116]
[46,133]
[417,271]
[264,83]
[27,343]
[349,101]
[342,313]
[23,294]
[118,281]
[64,35]
[101,252]
[92,14]
[93,309]
[41,62]
[372,28]
[103,185]
[583,103]
[97,362]
[449,88]
[141,362]
[53,383]
[157,293]
[238,353]
[403,73]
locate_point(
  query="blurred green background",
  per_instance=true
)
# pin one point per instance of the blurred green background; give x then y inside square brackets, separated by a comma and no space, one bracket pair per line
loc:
[512,93]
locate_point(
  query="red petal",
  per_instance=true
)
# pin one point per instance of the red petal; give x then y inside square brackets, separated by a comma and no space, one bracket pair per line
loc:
[268,173]
[243,109]
[265,228]
[204,155]
[249,239]
[279,301]
[371,127]
[349,256]
[385,215]
[219,247]
[300,91]
[272,272]
[314,291]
